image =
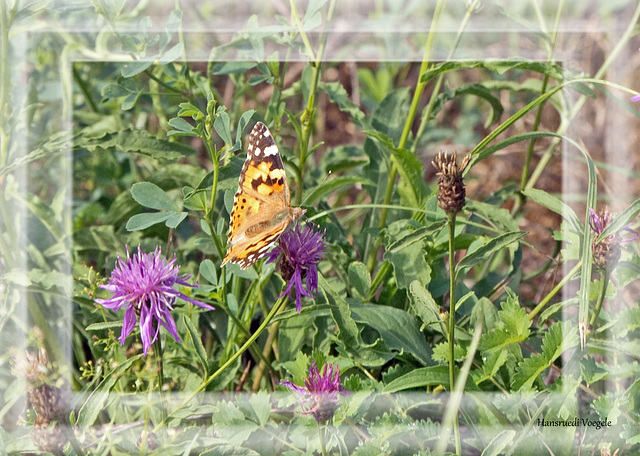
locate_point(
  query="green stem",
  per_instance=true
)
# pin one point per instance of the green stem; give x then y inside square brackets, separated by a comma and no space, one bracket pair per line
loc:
[323,443]
[417,94]
[83,88]
[452,321]
[601,296]
[555,290]
[235,356]
[157,353]
[307,117]
[264,362]
[611,57]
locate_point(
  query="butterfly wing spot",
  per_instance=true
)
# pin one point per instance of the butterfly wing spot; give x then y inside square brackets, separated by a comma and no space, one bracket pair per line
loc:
[262,206]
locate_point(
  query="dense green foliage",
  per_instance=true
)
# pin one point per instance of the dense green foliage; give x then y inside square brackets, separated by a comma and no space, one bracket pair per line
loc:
[542,346]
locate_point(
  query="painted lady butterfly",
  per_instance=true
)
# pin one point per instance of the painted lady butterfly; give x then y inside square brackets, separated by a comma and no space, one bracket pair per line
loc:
[262,205]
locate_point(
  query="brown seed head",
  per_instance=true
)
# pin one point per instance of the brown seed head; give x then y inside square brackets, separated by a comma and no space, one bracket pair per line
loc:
[451,191]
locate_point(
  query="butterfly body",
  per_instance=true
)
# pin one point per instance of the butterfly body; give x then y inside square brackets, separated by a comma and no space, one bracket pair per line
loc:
[262,205]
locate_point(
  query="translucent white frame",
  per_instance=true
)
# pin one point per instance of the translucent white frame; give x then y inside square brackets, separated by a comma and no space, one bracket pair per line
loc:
[356,34]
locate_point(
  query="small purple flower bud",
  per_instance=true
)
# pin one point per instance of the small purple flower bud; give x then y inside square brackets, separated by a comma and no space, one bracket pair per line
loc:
[319,397]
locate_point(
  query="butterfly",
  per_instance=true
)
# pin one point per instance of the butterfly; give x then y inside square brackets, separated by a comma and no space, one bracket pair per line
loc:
[262,205]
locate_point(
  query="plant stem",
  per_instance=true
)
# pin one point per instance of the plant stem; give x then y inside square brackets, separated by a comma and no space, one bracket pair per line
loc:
[308,115]
[157,352]
[555,290]
[603,291]
[452,320]
[279,303]
[417,94]
[323,443]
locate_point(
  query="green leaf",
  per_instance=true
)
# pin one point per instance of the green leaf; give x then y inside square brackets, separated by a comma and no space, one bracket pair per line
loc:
[181,126]
[136,141]
[367,354]
[555,205]
[491,366]
[233,67]
[132,68]
[172,54]
[150,195]
[338,94]
[142,221]
[333,185]
[420,378]
[104,325]
[96,401]
[411,171]
[441,352]
[499,443]
[130,101]
[512,327]
[489,248]
[222,126]
[243,122]
[560,337]
[423,303]
[114,90]
[359,278]
[197,344]
[175,220]
[398,329]
[623,219]
[209,271]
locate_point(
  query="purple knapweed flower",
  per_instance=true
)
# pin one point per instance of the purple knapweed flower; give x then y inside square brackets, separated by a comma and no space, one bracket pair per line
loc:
[300,250]
[606,252]
[144,284]
[319,397]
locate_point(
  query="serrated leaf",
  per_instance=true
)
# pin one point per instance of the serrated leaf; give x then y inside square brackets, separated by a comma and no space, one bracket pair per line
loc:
[150,195]
[441,352]
[513,327]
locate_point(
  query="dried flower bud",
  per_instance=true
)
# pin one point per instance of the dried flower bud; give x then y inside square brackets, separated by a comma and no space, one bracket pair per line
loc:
[451,191]
[606,252]
[47,399]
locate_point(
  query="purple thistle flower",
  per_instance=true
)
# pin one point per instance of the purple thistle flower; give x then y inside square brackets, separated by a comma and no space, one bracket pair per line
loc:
[144,284]
[300,250]
[598,223]
[320,395]
[606,252]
